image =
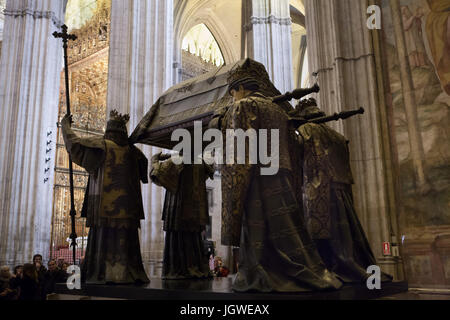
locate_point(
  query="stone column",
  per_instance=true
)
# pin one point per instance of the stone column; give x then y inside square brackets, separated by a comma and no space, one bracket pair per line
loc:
[140,70]
[30,68]
[2,22]
[340,51]
[267,33]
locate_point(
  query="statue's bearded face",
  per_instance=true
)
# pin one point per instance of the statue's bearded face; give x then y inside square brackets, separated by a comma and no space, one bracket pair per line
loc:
[240,93]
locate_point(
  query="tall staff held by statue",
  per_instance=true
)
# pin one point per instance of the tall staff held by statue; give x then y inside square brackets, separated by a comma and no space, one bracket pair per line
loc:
[66,37]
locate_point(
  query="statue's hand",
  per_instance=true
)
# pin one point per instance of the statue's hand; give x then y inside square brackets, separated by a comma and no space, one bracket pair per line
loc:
[67,121]
[165,156]
[160,157]
[156,157]
[316,88]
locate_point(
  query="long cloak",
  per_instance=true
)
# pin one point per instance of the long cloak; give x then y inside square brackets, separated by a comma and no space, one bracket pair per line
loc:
[185,215]
[262,215]
[329,209]
[112,208]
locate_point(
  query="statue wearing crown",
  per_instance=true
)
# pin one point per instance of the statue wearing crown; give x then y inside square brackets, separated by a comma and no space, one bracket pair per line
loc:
[113,202]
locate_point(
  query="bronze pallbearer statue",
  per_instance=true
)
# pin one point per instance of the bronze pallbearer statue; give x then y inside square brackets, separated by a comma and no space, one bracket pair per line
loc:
[185,216]
[327,188]
[263,214]
[113,202]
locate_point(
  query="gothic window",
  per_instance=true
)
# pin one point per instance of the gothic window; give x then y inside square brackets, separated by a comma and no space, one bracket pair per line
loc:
[299,45]
[300,57]
[200,52]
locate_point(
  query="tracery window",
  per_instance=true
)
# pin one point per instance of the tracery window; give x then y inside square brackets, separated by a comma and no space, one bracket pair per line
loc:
[200,52]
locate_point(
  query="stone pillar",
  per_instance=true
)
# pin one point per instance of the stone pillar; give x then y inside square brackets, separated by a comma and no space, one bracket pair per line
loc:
[140,70]
[267,32]
[340,51]
[30,68]
[2,22]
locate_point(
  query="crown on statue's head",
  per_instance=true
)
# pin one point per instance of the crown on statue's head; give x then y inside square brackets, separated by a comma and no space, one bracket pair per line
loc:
[249,72]
[309,108]
[116,116]
[306,103]
[117,122]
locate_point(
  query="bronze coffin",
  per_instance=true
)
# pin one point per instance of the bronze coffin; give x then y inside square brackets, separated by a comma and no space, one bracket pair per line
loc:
[193,100]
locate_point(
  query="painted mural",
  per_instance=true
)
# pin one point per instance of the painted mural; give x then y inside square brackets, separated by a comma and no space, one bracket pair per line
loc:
[423,160]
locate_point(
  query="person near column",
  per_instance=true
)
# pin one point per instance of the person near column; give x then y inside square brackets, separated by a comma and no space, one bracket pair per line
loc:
[41,272]
[7,292]
[54,275]
[29,284]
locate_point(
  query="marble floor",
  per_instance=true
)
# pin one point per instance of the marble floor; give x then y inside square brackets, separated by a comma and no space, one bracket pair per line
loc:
[221,289]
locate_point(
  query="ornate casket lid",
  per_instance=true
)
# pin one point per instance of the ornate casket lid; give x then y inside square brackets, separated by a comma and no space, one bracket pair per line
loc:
[195,99]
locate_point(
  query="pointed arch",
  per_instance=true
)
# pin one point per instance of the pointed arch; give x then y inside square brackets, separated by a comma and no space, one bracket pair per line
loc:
[206,39]
[190,13]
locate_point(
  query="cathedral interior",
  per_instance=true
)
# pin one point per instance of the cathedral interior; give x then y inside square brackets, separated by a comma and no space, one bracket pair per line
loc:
[128,53]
